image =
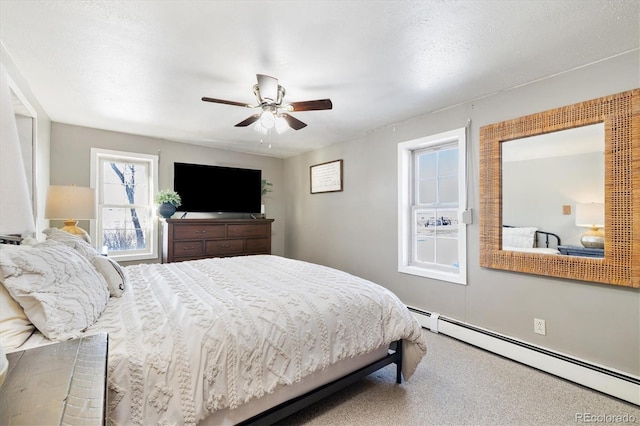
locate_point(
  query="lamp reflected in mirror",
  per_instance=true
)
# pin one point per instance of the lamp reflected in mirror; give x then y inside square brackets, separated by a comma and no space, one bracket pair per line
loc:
[591,215]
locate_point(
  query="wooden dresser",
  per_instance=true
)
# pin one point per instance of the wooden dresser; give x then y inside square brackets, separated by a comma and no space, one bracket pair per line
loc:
[188,239]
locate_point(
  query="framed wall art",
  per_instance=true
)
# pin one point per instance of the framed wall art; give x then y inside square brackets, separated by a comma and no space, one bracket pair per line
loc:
[326,177]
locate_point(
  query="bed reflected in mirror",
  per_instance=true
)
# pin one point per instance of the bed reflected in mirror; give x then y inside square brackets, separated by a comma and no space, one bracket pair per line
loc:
[544,180]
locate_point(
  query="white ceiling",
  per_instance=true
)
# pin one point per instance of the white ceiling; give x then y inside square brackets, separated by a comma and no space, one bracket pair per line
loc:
[142,67]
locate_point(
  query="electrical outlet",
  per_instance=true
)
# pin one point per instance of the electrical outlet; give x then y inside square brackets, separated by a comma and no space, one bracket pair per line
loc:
[539,326]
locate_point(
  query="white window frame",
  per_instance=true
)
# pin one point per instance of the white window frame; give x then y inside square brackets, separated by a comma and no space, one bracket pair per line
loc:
[406,205]
[98,155]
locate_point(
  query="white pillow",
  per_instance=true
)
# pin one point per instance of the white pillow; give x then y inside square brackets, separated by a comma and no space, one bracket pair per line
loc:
[109,268]
[73,241]
[520,237]
[60,291]
[112,273]
[15,327]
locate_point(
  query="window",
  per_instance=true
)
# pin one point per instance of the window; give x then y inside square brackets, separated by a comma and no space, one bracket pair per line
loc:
[431,202]
[125,183]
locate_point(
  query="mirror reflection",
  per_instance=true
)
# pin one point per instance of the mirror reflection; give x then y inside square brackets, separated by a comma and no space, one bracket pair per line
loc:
[553,192]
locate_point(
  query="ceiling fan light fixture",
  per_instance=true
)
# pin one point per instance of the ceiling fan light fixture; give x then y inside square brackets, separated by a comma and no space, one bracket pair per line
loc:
[281,124]
[267,119]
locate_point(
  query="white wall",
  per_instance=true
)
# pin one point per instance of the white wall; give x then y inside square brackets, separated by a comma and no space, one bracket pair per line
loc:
[356,230]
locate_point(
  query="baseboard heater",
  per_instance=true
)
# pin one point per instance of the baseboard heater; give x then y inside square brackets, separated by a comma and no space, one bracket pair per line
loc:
[611,382]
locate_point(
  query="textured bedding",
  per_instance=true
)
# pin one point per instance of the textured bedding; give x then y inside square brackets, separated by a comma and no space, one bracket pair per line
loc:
[187,339]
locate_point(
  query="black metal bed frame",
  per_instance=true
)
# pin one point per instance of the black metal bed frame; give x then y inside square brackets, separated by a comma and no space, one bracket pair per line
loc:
[285,409]
[546,238]
[10,239]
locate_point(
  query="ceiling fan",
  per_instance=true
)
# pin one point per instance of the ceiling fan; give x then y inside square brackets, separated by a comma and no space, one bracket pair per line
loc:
[274,112]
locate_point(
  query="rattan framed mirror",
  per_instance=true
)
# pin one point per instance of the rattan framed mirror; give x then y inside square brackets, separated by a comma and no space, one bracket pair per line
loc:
[620,265]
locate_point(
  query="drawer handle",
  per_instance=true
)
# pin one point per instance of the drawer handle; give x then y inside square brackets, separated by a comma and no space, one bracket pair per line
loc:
[188,248]
[201,231]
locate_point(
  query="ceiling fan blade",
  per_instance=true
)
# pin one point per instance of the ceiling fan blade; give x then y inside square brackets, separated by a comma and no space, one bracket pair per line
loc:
[320,104]
[293,122]
[222,101]
[268,87]
[248,121]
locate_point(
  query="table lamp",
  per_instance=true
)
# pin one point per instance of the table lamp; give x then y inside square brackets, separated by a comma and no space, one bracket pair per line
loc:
[591,215]
[71,203]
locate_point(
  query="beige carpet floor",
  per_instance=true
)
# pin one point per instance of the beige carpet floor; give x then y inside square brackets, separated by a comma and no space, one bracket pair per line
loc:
[459,384]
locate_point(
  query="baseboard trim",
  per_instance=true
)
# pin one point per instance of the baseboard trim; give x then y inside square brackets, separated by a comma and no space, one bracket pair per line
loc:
[606,380]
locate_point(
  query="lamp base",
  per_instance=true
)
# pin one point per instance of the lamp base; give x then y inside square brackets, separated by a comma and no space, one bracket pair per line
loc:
[71,226]
[594,238]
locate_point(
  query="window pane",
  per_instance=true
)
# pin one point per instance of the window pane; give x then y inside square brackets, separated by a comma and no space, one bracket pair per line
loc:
[114,193]
[424,236]
[109,175]
[114,217]
[448,162]
[427,193]
[447,253]
[125,183]
[448,190]
[124,228]
[425,249]
[426,165]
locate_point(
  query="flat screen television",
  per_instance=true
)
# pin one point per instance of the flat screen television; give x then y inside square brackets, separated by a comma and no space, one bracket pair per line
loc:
[216,189]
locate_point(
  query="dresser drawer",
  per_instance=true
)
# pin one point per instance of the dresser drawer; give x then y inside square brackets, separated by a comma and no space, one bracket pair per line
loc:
[258,245]
[224,247]
[189,232]
[247,230]
[188,248]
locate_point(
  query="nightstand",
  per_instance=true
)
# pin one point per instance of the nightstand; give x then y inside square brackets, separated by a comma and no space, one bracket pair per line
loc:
[581,251]
[60,383]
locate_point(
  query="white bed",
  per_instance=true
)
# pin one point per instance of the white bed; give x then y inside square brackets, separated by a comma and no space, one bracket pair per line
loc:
[212,341]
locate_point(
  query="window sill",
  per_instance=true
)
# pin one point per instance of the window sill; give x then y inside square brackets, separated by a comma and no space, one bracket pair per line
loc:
[456,278]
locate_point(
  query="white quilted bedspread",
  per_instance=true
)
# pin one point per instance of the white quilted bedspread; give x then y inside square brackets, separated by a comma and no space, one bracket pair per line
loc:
[190,338]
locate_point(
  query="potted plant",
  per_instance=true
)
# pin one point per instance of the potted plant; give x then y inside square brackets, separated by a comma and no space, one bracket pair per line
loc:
[167,201]
[266,187]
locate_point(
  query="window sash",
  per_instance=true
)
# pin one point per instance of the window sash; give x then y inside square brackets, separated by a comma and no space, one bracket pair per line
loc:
[135,243]
[434,240]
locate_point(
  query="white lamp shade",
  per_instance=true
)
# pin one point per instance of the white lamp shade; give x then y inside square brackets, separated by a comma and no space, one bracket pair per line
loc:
[70,202]
[590,215]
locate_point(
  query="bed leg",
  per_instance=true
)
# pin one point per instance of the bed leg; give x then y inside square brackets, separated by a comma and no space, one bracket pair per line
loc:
[399,361]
